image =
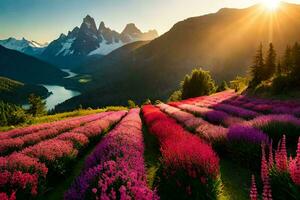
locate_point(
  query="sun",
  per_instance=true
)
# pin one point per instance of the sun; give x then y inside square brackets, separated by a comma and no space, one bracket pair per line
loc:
[271,4]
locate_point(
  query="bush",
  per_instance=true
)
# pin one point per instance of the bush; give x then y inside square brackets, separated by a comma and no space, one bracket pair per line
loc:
[281,83]
[131,104]
[199,83]
[176,96]
[11,114]
[222,87]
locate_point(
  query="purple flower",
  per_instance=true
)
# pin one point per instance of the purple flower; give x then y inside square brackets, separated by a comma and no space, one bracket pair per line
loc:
[247,134]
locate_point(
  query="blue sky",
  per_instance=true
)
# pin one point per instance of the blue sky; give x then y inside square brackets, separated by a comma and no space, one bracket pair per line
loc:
[44,20]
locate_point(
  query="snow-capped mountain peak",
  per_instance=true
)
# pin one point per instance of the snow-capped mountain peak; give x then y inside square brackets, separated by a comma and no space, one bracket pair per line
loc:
[87,40]
[25,46]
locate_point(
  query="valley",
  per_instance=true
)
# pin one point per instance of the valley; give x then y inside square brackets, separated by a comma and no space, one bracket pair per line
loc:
[206,106]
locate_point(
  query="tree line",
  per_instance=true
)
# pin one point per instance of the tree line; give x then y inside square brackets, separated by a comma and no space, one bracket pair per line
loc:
[282,72]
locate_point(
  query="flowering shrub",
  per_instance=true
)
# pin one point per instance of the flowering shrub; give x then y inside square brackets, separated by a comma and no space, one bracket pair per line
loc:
[115,169]
[21,162]
[275,125]
[190,168]
[244,144]
[79,140]
[207,131]
[24,183]
[236,111]
[56,153]
[280,175]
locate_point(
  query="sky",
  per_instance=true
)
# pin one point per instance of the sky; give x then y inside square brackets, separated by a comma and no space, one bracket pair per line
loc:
[45,20]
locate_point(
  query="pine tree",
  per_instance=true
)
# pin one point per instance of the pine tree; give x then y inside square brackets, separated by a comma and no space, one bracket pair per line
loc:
[288,60]
[257,70]
[270,66]
[279,69]
[37,105]
[296,62]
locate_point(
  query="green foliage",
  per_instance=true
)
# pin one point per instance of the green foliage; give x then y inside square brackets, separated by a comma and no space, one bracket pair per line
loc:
[176,96]
[147,102]
[239,83]
[199,83]
[281,83]
[283,186]
[223,87]
[131,104]
[270,65]
[11,114]
[257,69]
[177,184]
[37,105]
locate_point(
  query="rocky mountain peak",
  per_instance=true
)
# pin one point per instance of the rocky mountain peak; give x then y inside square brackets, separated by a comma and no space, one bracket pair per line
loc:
[131,29]
[89,23]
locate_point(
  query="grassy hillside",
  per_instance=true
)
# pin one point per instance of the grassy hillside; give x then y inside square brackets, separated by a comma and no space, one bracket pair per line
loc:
[27,69]
[17,92]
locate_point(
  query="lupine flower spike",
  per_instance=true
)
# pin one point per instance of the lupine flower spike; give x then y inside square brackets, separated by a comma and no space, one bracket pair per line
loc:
[264,164]
[267,192]
[271,159]
[253,191]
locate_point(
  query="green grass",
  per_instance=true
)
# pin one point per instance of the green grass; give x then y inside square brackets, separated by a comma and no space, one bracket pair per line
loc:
[152,156]
[236,181]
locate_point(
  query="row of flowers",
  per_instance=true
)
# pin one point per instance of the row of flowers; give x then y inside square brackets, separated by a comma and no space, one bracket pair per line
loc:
[190,167]
[63,124]
[230,140]
[33,164]
[17,143]
[267,105]
[209,132]
[214,116]
[116,168]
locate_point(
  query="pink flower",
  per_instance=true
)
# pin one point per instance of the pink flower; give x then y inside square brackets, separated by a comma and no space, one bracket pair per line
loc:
[94,190]
[253,191]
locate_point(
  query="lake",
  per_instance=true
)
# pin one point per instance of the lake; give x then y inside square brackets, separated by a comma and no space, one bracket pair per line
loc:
[60,93]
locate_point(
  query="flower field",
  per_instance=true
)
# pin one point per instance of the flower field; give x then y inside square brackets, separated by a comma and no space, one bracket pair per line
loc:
[193,139]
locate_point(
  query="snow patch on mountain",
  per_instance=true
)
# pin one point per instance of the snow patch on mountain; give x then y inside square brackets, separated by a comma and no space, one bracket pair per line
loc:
[24,46]
[106,48]
[66,47]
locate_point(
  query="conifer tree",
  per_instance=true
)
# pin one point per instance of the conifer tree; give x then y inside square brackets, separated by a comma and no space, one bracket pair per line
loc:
[296,61]
[257,69]
[270,65]
[37,105]
[287,60]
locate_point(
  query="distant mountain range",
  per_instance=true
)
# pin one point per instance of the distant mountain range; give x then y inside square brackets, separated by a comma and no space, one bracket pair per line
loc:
[87,41]
[82,44]
[25,46]
[27,69]
[223,42]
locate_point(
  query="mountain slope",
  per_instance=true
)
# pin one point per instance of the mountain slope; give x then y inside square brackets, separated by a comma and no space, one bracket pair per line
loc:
[223,42]
[88,41]
[27,69]
[16,92]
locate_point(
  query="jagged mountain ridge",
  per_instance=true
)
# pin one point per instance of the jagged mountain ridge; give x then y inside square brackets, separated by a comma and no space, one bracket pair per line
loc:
[88,41]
